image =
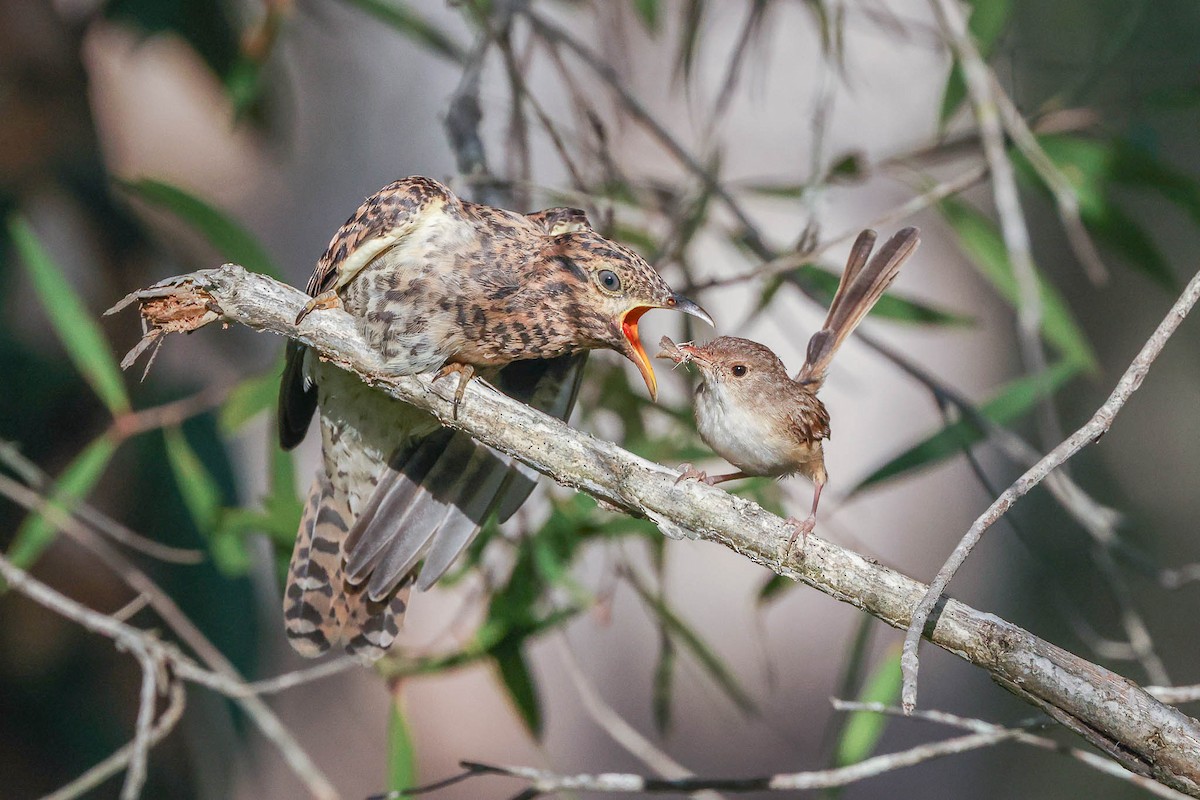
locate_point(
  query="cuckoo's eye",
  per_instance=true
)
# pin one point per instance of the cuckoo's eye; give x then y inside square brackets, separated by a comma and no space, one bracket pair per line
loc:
[738,370]
[608,280]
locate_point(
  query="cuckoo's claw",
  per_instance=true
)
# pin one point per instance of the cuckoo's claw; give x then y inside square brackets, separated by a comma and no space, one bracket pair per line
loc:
[328,299]
[465,373]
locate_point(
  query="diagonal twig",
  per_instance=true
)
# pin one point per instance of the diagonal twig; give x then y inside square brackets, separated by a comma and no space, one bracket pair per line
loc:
[1100,422]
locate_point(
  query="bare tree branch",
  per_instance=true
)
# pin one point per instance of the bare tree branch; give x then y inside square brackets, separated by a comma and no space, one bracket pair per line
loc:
[1110,711]
[1100,422]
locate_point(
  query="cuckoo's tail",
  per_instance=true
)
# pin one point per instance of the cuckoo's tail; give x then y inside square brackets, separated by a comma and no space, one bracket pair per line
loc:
[320,607]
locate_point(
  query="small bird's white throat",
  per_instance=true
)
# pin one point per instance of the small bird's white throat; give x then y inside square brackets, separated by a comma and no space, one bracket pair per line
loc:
[740,435]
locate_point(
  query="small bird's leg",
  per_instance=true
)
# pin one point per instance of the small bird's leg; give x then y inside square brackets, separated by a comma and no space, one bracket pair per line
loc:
[690,473]
[805,526]
[465,373]
[327,299]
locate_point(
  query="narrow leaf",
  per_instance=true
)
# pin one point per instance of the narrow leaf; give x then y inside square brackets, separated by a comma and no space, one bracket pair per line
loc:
[983,244]
[234,242]
[774,587]
[664,674]
[1013,401]
[72,486]
[401,758]
[821,283]
[864,728]
[202,496]
[415,27]
[76,327]
[988,20]
[514,673]
[649,12]
[685,636]
[250,398]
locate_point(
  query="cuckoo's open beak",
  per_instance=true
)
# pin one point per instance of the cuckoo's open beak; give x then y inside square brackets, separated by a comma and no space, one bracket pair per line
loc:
[629,327]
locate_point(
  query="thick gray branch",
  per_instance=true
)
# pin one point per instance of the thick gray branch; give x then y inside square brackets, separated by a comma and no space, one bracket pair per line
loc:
[1110,711]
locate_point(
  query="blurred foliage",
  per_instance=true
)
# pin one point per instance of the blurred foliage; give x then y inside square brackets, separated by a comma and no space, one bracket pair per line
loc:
[183,477]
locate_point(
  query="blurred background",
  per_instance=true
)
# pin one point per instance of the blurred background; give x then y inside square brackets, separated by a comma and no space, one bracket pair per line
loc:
[145,138]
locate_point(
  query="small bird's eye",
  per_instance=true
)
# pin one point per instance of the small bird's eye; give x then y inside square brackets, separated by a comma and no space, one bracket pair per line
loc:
[738,370]
[609,280]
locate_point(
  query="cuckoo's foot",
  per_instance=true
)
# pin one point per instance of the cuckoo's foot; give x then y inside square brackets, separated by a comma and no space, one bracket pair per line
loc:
[465,373]
[327,299]
[800,528]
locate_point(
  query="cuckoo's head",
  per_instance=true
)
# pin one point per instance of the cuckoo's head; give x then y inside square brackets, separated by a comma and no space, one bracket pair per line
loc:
[609,287]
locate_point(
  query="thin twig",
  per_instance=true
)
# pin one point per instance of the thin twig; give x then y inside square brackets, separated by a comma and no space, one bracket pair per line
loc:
[33,477]
[266,720]
[544,782]
[1013,230]
[618,729]
[176,701]
[1100,422]
[1097,762]
[1175,694]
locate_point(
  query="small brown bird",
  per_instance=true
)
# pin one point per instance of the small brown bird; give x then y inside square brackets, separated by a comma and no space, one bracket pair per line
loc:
[434,282]
[756,417]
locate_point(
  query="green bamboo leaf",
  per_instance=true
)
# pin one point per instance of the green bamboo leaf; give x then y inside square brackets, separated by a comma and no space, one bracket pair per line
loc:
[649,12]
[518,681]
[774,587]
[1137,167]
[249,398]
[685,636]
[981,241]
[72,486]
[820,283]
[1091,167]
[75,326]
[863,729]
[203,499]
[234,242]
[401,759]
[1013,401]
[664,674]
[988,20]
[414,26]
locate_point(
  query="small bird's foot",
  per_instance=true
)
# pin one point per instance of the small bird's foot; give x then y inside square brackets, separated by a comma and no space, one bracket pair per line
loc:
[689,473]
[800,528]
[465,373]
[327,299]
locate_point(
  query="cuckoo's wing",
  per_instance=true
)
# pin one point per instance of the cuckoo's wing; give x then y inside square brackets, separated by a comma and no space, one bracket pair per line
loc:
[380,223]
[438,491]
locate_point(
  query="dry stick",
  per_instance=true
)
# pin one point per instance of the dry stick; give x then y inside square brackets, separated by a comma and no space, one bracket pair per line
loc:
[1065,199]
[1175,694]
[116,762]
[1008,202]
[790,261]
[638,112]
[1105,708]
[258,711]
[1024,737]
[1100,422]
[545,782]
[617,727]
[35,478]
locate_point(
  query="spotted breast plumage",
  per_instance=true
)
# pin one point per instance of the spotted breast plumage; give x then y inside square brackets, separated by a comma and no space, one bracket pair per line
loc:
[436,282]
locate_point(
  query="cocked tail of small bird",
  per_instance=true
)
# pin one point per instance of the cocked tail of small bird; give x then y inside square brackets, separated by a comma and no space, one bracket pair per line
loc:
[862,284]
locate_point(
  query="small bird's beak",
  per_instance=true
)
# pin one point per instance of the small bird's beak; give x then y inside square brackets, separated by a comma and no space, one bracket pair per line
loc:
[629,327]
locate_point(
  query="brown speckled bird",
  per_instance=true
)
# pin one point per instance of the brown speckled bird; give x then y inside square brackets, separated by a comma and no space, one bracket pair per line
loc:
[756,417]
[435,282]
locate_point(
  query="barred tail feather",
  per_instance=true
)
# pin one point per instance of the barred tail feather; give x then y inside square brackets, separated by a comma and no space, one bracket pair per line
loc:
[320,608]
